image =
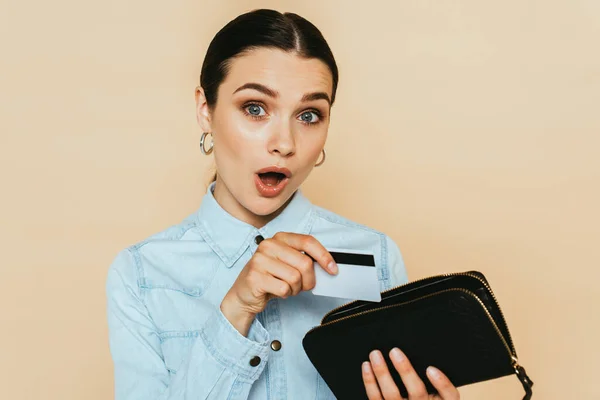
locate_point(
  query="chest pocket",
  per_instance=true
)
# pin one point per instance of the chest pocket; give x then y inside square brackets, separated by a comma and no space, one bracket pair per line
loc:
[179,297]
[176,348]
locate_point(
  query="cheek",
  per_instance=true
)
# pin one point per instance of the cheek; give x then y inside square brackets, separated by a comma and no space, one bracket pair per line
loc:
[236,140]
[309,156]
[313,143]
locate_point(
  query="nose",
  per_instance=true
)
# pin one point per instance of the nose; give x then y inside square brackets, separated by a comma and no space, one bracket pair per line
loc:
[282,141]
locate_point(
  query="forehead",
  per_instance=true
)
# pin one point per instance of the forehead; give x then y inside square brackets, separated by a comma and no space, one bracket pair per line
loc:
[286,72]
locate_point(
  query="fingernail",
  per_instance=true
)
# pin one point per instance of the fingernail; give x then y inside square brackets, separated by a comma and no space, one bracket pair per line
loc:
[397,355]
[376,358]
[332,266]
[366,367]
[433,372]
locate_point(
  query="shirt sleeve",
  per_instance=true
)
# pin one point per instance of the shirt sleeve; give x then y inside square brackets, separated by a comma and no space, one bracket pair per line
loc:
[217,366]
[397,270]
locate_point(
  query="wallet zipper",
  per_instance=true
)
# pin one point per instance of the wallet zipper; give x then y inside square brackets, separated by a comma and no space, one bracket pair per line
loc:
[510,350]
[510,341]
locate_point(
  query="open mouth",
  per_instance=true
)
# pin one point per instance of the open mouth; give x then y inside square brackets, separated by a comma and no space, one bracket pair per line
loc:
[271,178]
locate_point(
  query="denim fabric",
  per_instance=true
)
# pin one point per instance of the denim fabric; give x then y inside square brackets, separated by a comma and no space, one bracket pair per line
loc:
[168,337]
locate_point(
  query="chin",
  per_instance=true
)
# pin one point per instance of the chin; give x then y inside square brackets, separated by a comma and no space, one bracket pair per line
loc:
[264,206]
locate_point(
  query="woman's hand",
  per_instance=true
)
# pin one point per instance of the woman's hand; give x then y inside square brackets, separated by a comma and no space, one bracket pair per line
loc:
[278,268]
[380,384]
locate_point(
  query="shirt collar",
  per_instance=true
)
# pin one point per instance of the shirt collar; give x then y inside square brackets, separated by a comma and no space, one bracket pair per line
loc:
[229,237]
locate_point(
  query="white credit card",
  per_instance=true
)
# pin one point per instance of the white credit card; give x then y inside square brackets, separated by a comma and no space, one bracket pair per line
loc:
[356,278]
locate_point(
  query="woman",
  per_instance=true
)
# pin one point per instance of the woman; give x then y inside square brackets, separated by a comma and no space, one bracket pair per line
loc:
[216,307]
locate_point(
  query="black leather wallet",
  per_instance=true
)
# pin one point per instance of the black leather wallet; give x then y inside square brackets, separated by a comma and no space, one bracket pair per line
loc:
[452,322]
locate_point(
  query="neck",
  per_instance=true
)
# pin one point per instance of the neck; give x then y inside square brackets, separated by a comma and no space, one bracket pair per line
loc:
[230,204]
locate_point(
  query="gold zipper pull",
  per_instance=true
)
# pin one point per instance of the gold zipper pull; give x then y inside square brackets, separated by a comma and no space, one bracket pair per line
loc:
[523,378]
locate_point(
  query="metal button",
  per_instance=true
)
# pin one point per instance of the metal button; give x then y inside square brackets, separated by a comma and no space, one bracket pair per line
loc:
[276,345]
[258,239]
[255,361]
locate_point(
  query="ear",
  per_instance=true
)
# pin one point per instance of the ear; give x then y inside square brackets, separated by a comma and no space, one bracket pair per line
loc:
[202,111]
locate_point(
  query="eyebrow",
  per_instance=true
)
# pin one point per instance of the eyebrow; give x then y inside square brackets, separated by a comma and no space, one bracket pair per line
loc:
[274,94]
[258,87]
[316,96]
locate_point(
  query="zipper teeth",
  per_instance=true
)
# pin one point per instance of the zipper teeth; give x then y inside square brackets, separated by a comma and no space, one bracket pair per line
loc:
[385,291]
[512,346]
[510,341]
[511,354]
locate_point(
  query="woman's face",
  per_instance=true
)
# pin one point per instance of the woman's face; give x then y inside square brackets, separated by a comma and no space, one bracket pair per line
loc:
[271,114]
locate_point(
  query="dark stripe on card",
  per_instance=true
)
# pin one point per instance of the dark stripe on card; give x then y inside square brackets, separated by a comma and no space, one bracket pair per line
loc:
[366,260]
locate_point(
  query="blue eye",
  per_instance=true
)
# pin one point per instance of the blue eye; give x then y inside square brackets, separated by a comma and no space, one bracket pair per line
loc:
[255,110]
[309,117]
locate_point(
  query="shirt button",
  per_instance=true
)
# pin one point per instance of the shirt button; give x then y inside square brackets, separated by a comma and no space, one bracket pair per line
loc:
[276,345]
[258,239]
[255,361]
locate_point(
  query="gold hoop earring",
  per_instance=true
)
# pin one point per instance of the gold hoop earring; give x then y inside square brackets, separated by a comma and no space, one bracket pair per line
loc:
[322,160]
[202,140]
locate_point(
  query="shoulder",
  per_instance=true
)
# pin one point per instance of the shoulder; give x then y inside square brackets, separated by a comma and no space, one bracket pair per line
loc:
[173,233]
[336,231]
[129,266]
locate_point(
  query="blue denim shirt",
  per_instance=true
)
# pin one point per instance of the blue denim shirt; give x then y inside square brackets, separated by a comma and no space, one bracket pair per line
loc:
[168,337]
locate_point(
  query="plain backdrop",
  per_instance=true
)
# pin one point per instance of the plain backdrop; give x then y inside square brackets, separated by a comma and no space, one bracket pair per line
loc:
[468,131]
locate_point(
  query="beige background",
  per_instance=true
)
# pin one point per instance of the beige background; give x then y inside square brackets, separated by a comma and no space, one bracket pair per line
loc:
[467,130]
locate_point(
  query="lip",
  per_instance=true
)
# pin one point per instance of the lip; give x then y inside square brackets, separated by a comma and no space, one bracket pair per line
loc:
[280,170]
[272,191]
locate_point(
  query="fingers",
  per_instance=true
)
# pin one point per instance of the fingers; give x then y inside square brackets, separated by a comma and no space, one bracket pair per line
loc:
[299,265]
[380,385]
[370,382]
[386,383]
[264,283]
[310,246]
[414,385]
[445,388]
[290,257]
